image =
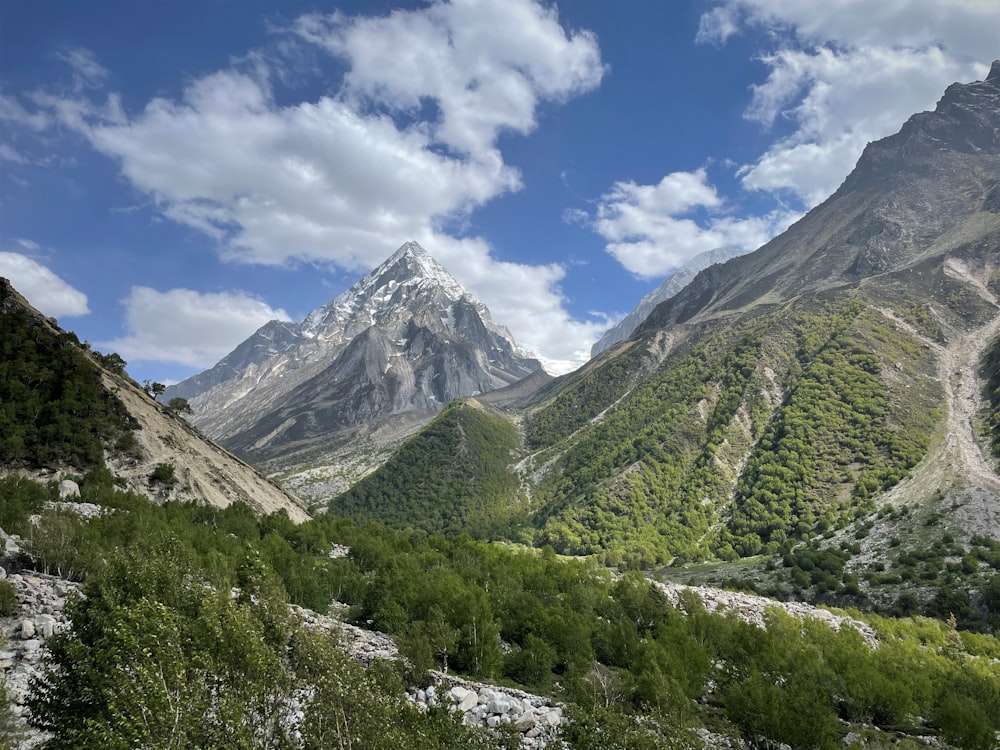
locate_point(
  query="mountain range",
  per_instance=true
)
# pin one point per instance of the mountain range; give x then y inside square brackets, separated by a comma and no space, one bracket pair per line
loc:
[813,385]
[670,287]
[818,420]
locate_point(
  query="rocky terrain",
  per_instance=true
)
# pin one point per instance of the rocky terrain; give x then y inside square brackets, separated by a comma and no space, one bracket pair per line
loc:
[204,471]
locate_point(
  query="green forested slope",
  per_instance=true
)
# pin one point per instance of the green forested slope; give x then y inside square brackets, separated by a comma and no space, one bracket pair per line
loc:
[54,409]
[779,427]
[452,477]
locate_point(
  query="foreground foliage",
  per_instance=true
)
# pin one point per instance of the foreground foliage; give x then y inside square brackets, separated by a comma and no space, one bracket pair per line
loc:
[158,640]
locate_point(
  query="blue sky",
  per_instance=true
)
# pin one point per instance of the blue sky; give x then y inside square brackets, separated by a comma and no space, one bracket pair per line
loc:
[175,174]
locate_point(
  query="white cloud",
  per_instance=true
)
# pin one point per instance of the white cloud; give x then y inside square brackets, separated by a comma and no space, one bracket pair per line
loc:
[186,327]
[13,112]
[648,233]
[9,154]
[87,72]
[967,27]
[485,63]
[406,149]
[838,101]
[42,288]
[846,72]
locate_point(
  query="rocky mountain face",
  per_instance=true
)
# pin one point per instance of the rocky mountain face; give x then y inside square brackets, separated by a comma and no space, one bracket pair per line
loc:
[930,192]
[75,387]
[406,338]
[670,287]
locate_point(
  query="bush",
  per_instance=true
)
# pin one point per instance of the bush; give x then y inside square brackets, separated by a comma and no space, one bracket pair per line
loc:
[8,600]
[164,474]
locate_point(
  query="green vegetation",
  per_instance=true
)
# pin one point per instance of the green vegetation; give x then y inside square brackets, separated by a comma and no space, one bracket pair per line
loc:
[991,367]
[158,659]
[632,665]
[8,600]
[661,476]
[583,398]
[835,437]
[54,409]
[453,477]
[179,406]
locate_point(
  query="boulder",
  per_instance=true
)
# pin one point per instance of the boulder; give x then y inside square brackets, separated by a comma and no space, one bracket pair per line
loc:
[68,489]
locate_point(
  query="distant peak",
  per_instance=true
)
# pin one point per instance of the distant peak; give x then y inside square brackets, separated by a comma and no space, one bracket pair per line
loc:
[412,248]
[994,75]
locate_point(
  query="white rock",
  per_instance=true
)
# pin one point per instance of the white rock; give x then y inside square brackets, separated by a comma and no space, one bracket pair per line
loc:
[68,488]
[469,702]
[526,722]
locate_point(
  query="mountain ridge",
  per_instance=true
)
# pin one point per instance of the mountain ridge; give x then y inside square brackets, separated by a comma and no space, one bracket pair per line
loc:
[157,453]
[669,288]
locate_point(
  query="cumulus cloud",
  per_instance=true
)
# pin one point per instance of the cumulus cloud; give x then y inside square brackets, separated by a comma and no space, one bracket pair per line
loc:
[40,286]
[485,63]
[407,148]
[187,327]
[649,231]
[846,72]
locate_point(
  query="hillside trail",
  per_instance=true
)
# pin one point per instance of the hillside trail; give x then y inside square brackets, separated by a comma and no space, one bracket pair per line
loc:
[959,460]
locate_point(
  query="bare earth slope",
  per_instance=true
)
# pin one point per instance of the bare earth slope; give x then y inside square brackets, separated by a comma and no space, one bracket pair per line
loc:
[205,472]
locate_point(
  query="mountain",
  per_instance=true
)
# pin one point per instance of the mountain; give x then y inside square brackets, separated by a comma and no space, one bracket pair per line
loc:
[829,385]
[791,391]
[406,339]
[68,410]
[670,287]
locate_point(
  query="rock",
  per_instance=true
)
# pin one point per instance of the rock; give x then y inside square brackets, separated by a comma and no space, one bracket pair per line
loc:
[45,625]
[526,722]
[27,629]
[552,718]
[68,489]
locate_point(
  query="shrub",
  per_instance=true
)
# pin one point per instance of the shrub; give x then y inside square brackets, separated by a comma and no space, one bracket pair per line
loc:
[8,600]
[164,474]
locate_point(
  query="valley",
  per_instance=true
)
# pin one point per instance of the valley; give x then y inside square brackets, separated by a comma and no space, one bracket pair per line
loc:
[765,516]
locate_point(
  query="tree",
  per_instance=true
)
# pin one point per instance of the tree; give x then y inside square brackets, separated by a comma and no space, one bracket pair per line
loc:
[158,659]
[152,388]
[178,405]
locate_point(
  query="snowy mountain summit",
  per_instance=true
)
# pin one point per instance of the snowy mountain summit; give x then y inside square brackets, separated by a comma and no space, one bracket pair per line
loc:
[406,337]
